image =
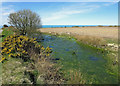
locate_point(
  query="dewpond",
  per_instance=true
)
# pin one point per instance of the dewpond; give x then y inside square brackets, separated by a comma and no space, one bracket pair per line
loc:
[74,56]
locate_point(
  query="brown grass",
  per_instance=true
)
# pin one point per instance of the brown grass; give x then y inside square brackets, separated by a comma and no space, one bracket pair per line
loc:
[48,72]
[91,40]
[105,32]
[76,78]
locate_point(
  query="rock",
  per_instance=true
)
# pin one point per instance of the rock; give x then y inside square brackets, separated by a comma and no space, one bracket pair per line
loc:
[68,33]
[111,45]
[116,46]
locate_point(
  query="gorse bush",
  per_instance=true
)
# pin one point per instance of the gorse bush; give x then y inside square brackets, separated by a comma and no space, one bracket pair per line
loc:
[2,58]
[16,46]
[20,46]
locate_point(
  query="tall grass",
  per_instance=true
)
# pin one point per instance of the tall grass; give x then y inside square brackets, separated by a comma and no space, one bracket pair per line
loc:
[91,40]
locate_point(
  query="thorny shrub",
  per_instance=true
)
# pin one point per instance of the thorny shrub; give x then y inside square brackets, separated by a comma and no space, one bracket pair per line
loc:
[20,46]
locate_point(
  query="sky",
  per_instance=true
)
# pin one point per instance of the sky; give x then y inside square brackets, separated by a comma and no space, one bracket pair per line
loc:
[59,0]
[66,13]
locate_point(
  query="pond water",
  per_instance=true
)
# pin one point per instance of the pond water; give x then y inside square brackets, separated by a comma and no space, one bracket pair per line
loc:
[74,56]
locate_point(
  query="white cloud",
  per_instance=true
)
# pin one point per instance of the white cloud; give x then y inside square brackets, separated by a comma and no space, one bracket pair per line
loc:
[5,11]
[63,14]
[108,4]
[67,11]
[70,10]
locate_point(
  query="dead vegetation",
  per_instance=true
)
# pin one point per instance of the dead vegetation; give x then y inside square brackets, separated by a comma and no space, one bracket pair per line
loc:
[48,73]
[91,40]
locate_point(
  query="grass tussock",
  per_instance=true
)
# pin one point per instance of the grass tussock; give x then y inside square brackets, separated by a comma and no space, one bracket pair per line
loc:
[48,73]
[75,77]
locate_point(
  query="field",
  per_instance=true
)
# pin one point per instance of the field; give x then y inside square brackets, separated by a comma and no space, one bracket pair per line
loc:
[106,32]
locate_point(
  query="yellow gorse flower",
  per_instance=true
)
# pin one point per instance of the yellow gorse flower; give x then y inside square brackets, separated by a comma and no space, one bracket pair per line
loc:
[23,51]
[38,45]
[10,50]
[43,48]
[17,45]
[18,54]
[48,55]
[20,46]
[31,40]
[3,58]
[34,39]
[7,52]
[9,55]
[35,42]
[4,49]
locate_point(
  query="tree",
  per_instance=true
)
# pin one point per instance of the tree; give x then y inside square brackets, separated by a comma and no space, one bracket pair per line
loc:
[25,21]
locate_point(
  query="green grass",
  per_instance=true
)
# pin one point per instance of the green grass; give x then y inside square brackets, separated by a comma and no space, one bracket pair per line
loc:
[13,72]
[7,32]
[111,40]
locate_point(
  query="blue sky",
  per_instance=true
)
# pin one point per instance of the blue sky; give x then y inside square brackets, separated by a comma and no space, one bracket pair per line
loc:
[67,13]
